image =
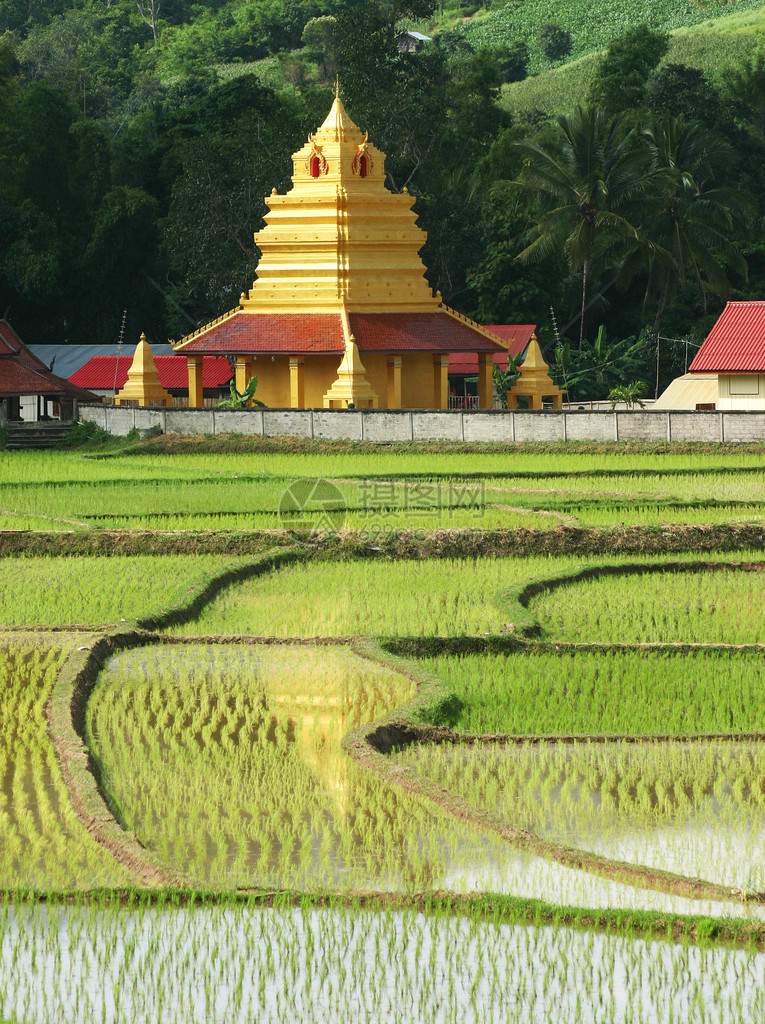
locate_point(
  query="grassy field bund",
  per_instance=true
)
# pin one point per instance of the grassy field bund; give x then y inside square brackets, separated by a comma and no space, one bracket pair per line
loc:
[454,736]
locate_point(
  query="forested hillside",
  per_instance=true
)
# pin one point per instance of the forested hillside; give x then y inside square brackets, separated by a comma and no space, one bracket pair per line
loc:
[139,138]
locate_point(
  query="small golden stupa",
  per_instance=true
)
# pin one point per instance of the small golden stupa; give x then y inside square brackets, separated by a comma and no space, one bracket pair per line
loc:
[535,382]
[340,311]
[142,386]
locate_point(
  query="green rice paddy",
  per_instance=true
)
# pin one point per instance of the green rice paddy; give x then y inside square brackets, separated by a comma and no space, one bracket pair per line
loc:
[716,607]
[638,693]
[42,844]
[240,766]
[694,809]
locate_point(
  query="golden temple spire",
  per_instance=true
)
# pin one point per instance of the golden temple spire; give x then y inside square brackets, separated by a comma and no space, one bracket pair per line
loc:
[337,126]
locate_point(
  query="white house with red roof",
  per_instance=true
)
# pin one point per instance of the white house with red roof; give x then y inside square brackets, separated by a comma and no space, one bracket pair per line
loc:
[734,350]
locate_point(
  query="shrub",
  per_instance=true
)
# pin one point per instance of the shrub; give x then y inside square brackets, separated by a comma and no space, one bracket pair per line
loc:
[555,42]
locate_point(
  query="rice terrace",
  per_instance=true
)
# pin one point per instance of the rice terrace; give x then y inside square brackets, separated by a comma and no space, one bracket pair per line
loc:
[310,731]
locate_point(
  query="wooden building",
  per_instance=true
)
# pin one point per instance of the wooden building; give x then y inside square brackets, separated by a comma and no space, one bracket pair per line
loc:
[25,377]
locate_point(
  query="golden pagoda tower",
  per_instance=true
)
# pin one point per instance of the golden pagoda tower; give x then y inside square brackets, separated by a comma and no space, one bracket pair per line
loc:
[142,386]
[339,237]
[340,296]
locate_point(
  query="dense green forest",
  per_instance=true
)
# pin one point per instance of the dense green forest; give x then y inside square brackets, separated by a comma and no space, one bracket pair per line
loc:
[139,138]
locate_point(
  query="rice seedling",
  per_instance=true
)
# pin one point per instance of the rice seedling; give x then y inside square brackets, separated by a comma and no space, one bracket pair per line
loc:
[718,607]
[93,590]
[693,809]
[64,965]
[430,597]
[40,469]
[226,762]
[242,780]
[628,693]
[379,490]
[42,844]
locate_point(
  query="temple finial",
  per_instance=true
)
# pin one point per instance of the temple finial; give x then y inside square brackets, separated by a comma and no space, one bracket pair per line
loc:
[337,87]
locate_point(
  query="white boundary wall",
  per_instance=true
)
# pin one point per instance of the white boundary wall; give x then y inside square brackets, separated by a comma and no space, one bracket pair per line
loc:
[389,426]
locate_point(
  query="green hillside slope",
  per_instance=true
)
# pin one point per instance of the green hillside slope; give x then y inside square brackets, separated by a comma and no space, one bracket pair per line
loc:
[711,46]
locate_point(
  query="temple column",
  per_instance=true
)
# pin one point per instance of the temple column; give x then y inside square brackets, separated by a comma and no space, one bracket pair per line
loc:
[485,380]
[297,382]
[245,368]
[394,382]
[440,381]
[196,394]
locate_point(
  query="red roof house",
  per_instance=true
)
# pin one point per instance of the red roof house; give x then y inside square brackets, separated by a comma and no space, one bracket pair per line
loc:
[735,350]
[515,336]
[736,343]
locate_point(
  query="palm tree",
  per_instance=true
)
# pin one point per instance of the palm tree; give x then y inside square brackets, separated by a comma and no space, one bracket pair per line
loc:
[590,187]
[693,219]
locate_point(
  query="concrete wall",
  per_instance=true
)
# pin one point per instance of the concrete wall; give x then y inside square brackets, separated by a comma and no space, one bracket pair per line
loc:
[388,426]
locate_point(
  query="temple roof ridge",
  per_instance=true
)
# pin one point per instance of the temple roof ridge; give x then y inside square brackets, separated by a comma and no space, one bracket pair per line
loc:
[472,323]
[206,327]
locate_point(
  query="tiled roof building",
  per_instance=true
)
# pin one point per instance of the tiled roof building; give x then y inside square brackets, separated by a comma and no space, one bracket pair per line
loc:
[22,374]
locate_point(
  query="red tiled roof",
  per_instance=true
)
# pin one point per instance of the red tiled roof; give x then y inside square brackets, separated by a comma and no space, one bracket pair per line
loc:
[173,372]
[295,333]
[11,344]
[736,343]
[258,333]
[417,332]
[515,336]
[22,373]
[17,379]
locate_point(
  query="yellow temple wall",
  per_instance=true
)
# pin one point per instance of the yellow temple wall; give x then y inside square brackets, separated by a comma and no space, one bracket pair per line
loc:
[320,373]
[273,381]
[417,380]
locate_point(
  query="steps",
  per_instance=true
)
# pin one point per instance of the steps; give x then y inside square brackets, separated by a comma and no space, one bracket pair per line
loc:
[40,434]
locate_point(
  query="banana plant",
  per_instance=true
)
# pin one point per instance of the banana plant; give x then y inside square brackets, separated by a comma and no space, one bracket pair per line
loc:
[241,400]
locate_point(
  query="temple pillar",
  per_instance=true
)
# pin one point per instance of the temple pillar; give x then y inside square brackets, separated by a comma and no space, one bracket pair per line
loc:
[394,382]
[485,380]
[245,368]
[196,394]
[440,381]
[297,382]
